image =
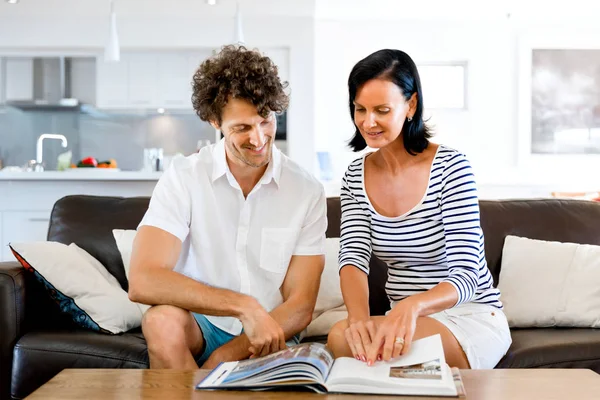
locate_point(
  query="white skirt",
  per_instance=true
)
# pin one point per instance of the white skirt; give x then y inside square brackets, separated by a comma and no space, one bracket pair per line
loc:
[481,330]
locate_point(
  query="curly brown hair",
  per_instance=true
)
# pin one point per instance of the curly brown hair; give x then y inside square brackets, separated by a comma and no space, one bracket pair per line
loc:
[237,72]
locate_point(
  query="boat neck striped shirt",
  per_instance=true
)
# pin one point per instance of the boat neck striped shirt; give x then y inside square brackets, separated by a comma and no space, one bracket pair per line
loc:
[438,240]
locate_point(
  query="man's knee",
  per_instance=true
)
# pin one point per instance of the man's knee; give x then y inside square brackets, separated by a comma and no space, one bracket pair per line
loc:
[165,322]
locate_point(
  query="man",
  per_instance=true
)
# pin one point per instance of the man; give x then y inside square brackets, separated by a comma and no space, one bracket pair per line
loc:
[230,251]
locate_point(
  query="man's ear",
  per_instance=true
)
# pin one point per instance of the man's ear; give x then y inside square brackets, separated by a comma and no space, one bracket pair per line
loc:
[215,125]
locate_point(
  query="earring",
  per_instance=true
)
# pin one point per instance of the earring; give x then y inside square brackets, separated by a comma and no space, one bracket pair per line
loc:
[409,119]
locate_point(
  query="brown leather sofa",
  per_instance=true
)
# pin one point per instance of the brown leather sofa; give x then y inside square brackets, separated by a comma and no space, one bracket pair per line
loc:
[37,341]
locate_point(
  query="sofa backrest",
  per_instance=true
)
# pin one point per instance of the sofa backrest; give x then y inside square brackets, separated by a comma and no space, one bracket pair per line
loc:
[88,221]
[560,220]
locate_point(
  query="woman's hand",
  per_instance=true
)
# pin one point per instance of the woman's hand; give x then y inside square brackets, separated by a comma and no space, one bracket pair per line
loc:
[359,336]
[394,334]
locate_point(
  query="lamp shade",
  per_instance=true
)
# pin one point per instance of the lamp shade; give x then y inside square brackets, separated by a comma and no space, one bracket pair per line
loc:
[112,51]
[239,32]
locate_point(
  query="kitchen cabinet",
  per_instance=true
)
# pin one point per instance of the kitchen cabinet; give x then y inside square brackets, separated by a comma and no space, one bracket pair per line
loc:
[2,82]
[174,80]
[142,82]
[18,78]
[148,80]
[83,86]
[22,226]
[153,79]
[111,84]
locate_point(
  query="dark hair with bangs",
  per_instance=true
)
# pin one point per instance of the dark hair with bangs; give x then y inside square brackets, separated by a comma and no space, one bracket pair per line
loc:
[397,67]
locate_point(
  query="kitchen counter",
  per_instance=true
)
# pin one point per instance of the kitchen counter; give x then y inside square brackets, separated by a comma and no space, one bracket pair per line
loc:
[83,174]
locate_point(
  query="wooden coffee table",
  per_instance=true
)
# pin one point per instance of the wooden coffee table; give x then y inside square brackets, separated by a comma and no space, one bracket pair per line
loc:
[514,384]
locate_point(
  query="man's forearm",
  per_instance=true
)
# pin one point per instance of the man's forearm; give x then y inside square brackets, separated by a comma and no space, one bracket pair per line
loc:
[293,316]
[164,286]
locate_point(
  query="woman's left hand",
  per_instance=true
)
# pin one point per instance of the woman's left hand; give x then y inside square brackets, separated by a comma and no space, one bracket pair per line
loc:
[394,334]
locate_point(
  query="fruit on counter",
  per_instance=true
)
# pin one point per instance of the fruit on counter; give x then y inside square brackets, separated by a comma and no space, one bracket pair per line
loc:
[91,162]
[88,162]
[112,163]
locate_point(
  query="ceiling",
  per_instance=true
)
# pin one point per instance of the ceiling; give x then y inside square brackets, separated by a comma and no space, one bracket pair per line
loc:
[156,8]
[320,9]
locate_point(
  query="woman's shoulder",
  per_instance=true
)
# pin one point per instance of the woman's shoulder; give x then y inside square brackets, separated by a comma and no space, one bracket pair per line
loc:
[449,156]
[355,168]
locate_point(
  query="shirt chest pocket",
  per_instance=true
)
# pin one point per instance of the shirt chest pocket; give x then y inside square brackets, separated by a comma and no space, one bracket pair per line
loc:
[276,248]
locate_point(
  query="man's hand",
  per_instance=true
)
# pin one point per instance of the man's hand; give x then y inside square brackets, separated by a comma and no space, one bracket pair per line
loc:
[265,334]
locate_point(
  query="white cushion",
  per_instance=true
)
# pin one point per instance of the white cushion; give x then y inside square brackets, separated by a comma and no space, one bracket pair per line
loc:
[550,283]
[321,325]
[124,239]
[81,286]
[330,293]
[330,307]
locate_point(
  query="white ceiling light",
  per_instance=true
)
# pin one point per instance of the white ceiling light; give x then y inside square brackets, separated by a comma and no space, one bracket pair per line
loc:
[12,1]
[112,51]
[239,32]
[211,2]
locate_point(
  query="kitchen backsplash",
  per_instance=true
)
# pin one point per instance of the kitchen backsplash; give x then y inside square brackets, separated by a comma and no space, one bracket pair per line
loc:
[103,136]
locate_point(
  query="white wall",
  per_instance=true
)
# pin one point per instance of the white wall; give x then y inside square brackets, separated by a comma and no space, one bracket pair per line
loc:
[51,25]
[487,131]
[484,131]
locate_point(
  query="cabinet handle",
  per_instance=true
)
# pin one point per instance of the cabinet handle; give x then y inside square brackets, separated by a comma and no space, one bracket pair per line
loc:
[39,219]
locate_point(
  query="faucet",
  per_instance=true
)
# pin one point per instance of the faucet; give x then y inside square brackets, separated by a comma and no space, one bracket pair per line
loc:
[39,167]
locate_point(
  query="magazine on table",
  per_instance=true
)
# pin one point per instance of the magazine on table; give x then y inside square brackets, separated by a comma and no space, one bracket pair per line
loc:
[310,366]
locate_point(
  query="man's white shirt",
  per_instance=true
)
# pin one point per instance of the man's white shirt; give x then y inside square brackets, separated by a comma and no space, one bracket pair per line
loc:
[237,243]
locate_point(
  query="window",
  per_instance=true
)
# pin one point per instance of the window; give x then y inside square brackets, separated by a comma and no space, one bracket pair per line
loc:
[444,85]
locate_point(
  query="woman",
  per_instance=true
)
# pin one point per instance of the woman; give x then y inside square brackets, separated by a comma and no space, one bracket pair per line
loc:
[414,205]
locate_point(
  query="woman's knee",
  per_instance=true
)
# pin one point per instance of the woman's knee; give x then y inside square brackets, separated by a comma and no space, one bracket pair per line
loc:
[336,339]
[337,331]
[455,356]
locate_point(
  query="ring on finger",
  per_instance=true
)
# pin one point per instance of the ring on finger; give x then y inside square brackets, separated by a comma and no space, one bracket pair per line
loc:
[399,341]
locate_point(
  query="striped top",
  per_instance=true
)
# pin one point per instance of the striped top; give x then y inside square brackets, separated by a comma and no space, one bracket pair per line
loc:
[439,240]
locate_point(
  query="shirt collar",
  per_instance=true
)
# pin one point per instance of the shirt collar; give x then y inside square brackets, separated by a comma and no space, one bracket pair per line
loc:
[220,167]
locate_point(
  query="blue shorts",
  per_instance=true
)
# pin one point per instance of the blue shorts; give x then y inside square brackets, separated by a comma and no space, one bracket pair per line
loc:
[215,337]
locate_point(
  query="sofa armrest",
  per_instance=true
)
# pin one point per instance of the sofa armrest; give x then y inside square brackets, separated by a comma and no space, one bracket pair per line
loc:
[12,318]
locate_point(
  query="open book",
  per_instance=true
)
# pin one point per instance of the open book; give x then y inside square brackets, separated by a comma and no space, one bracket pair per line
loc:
[423,371]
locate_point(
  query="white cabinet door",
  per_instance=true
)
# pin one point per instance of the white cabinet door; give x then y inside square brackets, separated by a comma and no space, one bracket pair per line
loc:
[83,71]
[23,226]
[112,83]
[143,85]
[174,81]
[2,83]
[19,79]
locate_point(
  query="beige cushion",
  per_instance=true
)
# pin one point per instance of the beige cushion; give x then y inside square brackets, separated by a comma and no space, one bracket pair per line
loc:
[124,239]
[546,284]
[80,285]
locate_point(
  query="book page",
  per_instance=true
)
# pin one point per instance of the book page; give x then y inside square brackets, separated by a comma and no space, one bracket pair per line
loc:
[309,362]
[422,371]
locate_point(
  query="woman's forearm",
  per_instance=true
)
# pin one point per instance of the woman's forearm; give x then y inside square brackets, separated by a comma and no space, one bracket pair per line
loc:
[439,298]
[355,290]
